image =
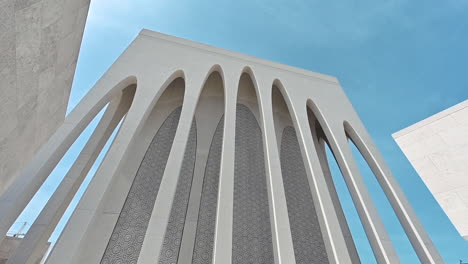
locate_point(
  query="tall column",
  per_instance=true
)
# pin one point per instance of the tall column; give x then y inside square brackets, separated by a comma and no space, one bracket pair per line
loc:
[321,152]
[21,191]
[335,242]
[281,230]
[67,249]
[208,115]
[222,252]
[417,235]
[158,223]
[36,239]
[375,230]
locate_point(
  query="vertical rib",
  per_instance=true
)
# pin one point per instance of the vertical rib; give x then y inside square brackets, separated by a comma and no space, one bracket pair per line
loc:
[175,227]
[417,235]
[67,248]
[321,152]
[152,248]
[222,251]
[30,248]
[309,246]
[280,223]
[201,212]
[128,234]
[337,249]
[204,239]
[375,230]
[251,224]
[20,192]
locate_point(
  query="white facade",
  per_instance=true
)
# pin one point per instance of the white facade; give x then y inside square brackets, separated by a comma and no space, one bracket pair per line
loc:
[437,147]
[215,147]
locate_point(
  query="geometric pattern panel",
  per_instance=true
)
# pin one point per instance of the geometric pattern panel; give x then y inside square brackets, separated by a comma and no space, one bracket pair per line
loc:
[204,238]
[175,226]
[129,232]
[252,240]
[309,246]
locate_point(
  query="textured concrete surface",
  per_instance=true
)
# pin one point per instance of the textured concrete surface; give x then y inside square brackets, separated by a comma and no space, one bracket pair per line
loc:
[129,232]
[39,45]
[251,225]
[175,228]
[10,244]
[7,247]
[305,228]
[437,147]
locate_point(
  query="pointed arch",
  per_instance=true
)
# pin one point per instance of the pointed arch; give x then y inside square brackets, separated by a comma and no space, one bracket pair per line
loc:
[15,199]
[357,140]
[145,183]
[375,230]
[309,246]
[198,235]
[47,220]
[248,91]
[418,237]
[321,143]
[252,239]
[144,119]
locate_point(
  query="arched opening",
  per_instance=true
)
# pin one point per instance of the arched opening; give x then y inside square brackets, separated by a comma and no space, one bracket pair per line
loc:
[142,176]
[350,224]
[356,229]
[45,192]
[252,237]
[198,241]
[308,243]
[80,191]
[369,169]
[50,202]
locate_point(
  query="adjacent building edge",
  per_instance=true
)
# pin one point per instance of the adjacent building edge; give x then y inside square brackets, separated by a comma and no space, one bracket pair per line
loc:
[39,46]
[437,147]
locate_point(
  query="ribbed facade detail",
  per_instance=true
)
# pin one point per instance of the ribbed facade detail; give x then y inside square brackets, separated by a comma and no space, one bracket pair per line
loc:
[309,246]
[214,162]
[129,232]
[251,241]
[204,239]
[175,228]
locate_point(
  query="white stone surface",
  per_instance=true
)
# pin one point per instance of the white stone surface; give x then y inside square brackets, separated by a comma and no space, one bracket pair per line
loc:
[437,147]
[39,45]
[156,62]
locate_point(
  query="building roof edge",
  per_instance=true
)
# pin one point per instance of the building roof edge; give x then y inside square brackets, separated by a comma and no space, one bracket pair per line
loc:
[198,45]
[431,119]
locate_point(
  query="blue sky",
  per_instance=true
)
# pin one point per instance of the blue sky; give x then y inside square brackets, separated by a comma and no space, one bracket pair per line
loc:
[398,61]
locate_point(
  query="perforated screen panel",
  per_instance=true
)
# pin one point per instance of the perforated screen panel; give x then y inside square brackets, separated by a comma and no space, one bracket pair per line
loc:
[203,248]
[305,229]
[251,222]
[175,227]
[127,237]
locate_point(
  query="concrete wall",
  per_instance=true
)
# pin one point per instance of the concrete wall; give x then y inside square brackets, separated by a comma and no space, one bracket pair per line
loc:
[437,147]
[7,247]
[39,45]
[10,244]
